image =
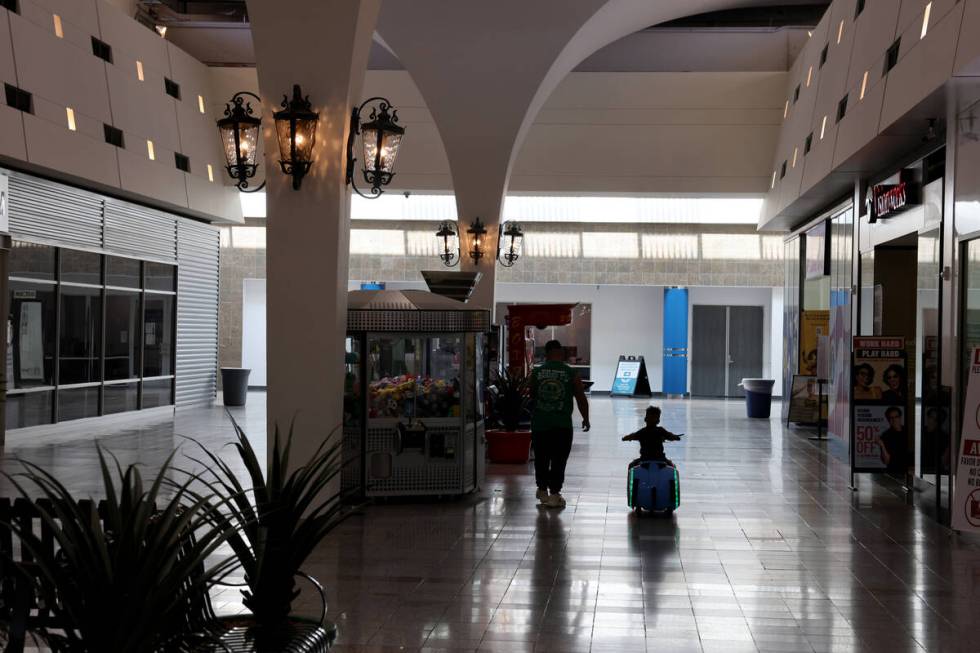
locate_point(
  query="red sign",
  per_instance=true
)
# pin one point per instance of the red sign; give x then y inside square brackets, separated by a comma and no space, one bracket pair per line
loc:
[971,447]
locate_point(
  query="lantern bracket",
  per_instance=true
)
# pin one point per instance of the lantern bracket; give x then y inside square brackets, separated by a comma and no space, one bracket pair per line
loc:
[384,104]
[235,109]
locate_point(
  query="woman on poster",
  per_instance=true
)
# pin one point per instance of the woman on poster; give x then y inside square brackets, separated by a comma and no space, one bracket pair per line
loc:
[864,378]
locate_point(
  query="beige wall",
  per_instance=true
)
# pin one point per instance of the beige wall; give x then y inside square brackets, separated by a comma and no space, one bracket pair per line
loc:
[663,255]
[608,132]
[949,48]
[61,73]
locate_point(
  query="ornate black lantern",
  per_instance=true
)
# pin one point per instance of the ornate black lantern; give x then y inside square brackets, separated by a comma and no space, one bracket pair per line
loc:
[239,131]
[448,236]
[510,243]
[296,132]
[380,138]
[477,231]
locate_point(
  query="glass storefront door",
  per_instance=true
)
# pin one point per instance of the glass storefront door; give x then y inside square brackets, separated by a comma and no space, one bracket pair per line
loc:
[933,405]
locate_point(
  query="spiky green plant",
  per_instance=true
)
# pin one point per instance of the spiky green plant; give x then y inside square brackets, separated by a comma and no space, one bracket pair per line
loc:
[133,579]
[279,520]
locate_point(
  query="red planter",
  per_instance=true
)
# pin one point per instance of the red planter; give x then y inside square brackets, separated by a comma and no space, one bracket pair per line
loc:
[508,446]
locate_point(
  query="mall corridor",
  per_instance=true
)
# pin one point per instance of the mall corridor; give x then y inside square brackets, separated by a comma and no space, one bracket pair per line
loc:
[769,550]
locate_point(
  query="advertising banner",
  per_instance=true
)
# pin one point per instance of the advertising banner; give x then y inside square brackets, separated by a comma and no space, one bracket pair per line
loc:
[881,406]
[631,377]
[966,498]
[813,325]
[804,400]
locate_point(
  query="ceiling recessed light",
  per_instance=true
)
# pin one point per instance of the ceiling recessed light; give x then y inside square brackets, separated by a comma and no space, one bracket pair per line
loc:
[149,151]
[139,70]
[58,31]
[864,84]
[71,118]
[925,21]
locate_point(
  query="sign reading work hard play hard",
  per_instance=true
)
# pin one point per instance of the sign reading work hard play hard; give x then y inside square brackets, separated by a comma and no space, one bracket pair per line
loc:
[631,377]
[966,498]
[880,391]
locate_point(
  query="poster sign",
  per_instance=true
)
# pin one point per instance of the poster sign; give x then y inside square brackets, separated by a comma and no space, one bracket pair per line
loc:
[631,377]
[966,498]
[813,325]
[30,339]
[804,400]
[881,406]
[817,247]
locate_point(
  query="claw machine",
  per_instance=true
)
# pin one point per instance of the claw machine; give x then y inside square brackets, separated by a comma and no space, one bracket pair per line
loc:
[413,395]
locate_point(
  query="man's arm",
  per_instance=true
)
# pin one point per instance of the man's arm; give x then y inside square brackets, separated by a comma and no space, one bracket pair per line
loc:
[582,401]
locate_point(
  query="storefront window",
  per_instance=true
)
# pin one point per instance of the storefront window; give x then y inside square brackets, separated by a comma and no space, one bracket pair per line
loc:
[31,325]
[79,347]
[122,272]
[31,261]
[122,343]
[29,409]
[81,335]
[76,403]
[158,335]
[160,276]
[841,275]
[121,397]
[791,316]
[158,392]
[81,267]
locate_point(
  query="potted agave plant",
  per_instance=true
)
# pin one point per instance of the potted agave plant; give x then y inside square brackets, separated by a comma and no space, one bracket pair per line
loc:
[509,443]
[277,522]
[129,578]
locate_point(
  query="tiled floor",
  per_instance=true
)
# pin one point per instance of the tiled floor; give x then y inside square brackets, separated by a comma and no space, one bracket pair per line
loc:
[769,550]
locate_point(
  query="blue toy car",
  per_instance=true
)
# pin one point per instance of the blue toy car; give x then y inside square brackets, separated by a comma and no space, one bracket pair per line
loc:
[653,485]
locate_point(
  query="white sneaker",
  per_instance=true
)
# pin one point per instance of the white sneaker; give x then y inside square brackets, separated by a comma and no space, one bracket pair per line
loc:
[542,495]
[556,501]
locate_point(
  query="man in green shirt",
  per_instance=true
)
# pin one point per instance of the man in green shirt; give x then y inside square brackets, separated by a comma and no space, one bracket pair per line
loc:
[553,385]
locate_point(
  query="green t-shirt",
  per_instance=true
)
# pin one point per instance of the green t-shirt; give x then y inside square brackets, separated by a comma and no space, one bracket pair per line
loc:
[552,386]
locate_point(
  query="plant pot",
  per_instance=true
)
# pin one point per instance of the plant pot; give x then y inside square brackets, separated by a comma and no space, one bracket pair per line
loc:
[289,635]
[508,446]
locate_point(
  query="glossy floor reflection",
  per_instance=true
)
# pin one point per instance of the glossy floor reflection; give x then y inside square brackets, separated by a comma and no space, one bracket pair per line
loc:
[769,550]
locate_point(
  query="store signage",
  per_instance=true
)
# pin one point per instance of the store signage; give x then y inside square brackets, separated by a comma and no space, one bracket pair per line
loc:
[966,498]
[887,200]
[880,391]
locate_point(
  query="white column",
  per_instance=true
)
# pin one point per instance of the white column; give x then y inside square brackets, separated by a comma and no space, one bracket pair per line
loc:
[322,46]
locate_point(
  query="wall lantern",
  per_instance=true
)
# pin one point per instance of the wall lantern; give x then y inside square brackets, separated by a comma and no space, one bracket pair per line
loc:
[380,138]
[476,232]
[510,243]
[239,131]
[296,132]
[448,236]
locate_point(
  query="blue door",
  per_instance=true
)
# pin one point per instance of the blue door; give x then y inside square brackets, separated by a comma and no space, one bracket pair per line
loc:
[675,341]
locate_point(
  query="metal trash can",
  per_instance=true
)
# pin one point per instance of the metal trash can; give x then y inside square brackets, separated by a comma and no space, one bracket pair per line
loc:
[758,397]
[234,384]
